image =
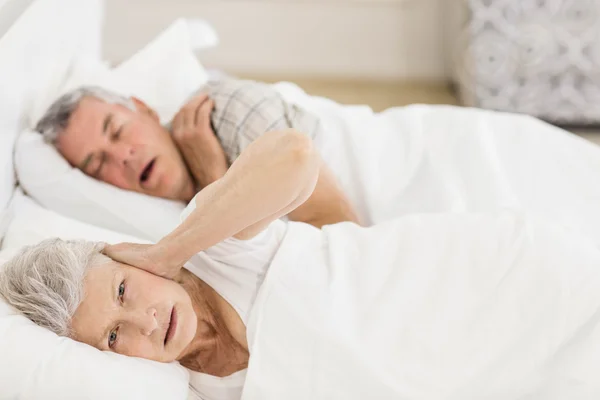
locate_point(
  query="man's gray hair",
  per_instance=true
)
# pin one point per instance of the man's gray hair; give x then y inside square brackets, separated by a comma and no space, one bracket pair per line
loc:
[45,282]
[57,118]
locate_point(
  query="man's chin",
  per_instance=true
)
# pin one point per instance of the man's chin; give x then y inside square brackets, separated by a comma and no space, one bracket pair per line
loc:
[187,193]
[170,191]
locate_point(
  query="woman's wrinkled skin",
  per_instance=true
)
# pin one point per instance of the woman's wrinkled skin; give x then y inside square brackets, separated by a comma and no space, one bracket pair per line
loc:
[128,311]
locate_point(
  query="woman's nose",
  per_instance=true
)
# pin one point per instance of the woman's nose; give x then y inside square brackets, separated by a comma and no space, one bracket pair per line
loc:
[147,322]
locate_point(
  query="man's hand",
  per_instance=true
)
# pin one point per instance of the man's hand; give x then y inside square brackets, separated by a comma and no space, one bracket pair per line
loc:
[149,257]
[272,177]
[200,147]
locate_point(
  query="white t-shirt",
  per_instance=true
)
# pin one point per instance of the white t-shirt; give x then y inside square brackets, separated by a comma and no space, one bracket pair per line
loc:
[235,269]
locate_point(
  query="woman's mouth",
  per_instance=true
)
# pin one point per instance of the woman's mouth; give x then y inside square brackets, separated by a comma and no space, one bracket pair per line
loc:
[172,326]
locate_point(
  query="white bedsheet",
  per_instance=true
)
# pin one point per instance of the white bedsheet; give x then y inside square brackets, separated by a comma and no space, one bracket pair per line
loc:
[444,306]
[440,158]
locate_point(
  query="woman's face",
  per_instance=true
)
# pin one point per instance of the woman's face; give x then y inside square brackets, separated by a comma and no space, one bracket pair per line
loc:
[134,313]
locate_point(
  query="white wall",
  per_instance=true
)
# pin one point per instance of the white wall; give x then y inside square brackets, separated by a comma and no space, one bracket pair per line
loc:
[10,10]
[374,39]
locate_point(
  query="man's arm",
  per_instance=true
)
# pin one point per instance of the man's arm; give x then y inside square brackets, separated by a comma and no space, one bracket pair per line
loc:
[245,110]
[327,205]
[272,177]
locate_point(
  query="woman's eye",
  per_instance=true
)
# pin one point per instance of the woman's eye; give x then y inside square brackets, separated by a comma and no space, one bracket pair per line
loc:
[112,338]
[122,290]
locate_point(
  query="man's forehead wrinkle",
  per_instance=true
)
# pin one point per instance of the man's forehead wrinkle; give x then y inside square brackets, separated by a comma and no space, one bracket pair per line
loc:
[88,104]
[80,127]
[75,114]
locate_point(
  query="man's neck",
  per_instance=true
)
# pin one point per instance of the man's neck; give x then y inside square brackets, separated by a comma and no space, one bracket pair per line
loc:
[189,191]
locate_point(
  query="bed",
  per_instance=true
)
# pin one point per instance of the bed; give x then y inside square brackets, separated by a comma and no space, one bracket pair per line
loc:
[416,159]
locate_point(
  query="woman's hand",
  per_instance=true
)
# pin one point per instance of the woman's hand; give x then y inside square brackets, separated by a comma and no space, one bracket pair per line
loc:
[149,257]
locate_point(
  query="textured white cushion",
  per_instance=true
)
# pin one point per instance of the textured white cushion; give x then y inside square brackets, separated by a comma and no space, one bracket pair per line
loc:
[37,364]
[540,58]
[164,74]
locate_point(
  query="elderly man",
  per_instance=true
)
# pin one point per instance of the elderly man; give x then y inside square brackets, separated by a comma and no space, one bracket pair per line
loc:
[120,141]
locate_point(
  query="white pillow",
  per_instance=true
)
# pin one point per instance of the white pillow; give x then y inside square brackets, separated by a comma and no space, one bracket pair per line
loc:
[31,223]
[37,364]
[48,178]
[30,39]
[164,74]
[7,176]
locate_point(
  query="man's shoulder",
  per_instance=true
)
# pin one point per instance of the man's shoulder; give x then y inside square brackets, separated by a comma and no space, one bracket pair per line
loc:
[227,91]
[243,111]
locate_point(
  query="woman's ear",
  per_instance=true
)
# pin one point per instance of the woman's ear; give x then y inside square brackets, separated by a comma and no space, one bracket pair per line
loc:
[143,108]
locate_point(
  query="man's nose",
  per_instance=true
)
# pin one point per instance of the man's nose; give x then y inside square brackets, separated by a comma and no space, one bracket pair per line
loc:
[147,322]
[124,154]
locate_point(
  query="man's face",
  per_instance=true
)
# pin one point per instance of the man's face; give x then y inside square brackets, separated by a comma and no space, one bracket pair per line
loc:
[132,312]
[125,148]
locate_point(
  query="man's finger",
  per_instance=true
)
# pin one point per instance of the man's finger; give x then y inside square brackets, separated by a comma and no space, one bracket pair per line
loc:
[191,119]
[176,125]
[127,253]
[189,114]
[188,120]
[186,116]
[201,98]
[195,102]
[139,256]
[203,114]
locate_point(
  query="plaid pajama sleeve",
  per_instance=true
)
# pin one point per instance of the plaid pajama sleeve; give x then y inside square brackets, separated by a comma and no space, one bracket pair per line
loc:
[244,110]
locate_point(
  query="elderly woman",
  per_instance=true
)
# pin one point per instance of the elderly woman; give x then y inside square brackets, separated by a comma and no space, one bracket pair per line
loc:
[444,306]
[74,290]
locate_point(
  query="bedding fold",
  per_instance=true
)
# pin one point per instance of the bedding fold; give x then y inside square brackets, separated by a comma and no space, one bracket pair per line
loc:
[432,306]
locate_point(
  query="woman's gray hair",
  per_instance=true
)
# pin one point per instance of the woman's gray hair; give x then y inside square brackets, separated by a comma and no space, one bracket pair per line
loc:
[45,282]
[57,118]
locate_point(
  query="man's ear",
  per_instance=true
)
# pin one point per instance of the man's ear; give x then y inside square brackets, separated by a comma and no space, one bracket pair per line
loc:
[143,108]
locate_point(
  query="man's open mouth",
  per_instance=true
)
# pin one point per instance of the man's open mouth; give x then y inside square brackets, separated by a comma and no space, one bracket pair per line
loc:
[147,171]
[172,326]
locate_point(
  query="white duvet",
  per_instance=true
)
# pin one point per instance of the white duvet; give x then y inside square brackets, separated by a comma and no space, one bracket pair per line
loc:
[404,160]
[447,306]
[440,158]
[423,159]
